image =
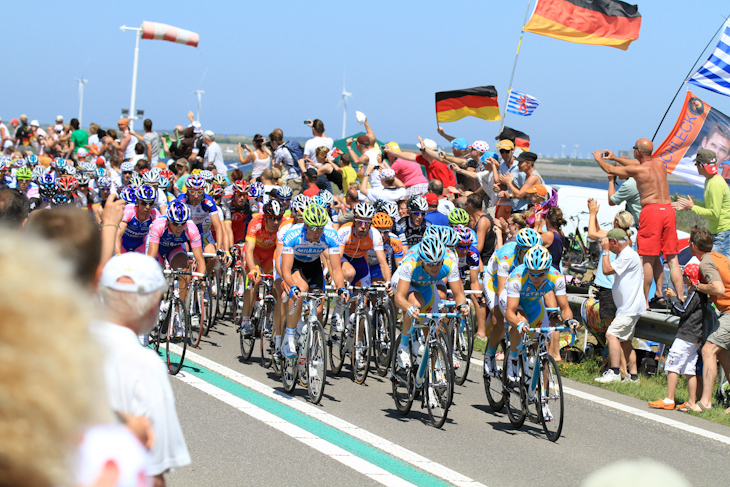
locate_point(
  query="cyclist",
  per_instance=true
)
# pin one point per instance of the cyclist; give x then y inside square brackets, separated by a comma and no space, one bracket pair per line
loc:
[152,177]
[410,228]
[259,253]
[136,222]
[328,200]
[86,197]
[284,195]
[392,247]
[168,236]
[240,211]
[65,187]
[502,262]
[23,183]
[301,269]
[356,239]
[224,212]
[526,288]
[46,192]
[105,187]
[204,213]
[415,290]
[127,171]
[458,216]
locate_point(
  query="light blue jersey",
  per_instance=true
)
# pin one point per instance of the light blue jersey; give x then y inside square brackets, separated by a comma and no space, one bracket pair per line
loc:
[295,242]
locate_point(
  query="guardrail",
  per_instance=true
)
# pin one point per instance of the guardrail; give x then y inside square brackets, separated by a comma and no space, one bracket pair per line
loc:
[657,327]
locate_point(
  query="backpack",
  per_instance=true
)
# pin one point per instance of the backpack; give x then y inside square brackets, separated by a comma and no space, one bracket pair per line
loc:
[296,151]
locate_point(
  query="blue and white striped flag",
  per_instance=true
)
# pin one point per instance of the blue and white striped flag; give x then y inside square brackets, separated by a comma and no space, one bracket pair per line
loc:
[714,75]
[521,103]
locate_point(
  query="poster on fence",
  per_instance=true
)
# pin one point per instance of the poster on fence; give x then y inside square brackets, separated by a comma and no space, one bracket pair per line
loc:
[699,126]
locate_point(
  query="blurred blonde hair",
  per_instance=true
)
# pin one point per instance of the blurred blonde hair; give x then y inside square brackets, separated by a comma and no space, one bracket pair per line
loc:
[625,220]
[50,368]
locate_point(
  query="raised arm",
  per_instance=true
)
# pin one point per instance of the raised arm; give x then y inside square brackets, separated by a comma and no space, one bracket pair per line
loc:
[443,134]
[594,230]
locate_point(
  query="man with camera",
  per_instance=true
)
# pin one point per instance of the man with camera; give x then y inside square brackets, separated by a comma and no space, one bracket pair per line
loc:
[319,138]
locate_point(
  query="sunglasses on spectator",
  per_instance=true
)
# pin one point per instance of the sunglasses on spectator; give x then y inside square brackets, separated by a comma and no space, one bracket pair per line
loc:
[504,151]
[433,264]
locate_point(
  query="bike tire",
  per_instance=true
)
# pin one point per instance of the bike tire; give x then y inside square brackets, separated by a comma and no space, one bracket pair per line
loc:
[515,396]
[193,303]
[493,386]
[177,308]
[222,301]
[550,392]
[462,343]
[247,342]
[336,345]
[266,342]
[208,310]
[316,363]
[383,348]
[403,384]
[289,371]
[360,373]
[438,384]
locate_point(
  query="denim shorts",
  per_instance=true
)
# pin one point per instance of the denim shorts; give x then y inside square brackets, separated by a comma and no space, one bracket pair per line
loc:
[722,243]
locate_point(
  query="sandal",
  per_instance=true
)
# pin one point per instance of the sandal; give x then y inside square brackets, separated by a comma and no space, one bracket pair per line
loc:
[681,407]
[658,302]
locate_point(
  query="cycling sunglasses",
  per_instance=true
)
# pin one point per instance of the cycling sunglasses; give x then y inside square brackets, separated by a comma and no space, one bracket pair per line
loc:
[417,213]
[196,192]
[433,264]
[537,273]
[464,247]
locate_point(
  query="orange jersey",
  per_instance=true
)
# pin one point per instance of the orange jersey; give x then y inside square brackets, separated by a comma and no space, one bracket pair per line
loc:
[358,247]
[257,234]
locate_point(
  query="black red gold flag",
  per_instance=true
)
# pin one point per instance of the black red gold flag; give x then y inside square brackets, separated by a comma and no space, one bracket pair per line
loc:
[480,102]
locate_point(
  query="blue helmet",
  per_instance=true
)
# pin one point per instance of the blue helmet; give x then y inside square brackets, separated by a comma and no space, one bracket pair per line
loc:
[538,259]
[284,192]
[127,194]
[60,199]
[528,238]
[326,197]
[318,200]
[100,172]
[466,234]
[195,182]
[146,193]
[432,231]
[449,237]
[178,212]
[104,182]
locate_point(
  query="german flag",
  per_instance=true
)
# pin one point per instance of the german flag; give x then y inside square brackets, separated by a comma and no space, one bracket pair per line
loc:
[522,140]
[600,22]
[480,102]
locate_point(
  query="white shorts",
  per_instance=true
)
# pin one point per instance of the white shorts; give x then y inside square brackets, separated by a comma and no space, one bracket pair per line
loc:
[622,327]
[682,357]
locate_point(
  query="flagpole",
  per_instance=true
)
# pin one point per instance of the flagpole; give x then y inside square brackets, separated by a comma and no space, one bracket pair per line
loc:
[514,66]
[687,77]
[132,113]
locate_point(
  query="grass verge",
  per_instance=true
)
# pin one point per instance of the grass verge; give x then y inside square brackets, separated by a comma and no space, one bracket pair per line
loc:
[651,387]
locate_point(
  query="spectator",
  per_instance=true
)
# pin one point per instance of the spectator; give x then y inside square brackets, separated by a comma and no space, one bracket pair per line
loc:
[392,189]
[14,208]
[259,158]
[716,208]
[403,209]
[125,146]
[79,137]
[152,143]
[345,208]
[715,282]
[682,357]
[505,204]
[365,143]
[434,216]
[409,172]
[553,237]
[5,139]
[436,187]
[483,224]
[213,154]
[349,175]
[312,188]
[318,139]
[628,192]
[137,383]
[283,160]
[628,294]
[22,134]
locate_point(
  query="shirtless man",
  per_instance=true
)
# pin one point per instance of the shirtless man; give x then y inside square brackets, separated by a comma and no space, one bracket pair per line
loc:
[658,231]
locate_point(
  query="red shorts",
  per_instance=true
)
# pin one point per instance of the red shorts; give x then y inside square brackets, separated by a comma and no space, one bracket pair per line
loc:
[657,231]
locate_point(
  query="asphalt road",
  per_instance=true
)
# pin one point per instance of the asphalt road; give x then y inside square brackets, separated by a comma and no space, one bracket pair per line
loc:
[232,442]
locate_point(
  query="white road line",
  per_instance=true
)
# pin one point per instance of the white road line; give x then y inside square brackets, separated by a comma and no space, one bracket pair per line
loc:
[325,447]
[639,412]
[387,446]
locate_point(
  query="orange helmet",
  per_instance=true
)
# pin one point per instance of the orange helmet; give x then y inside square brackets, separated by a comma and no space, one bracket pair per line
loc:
[382,220]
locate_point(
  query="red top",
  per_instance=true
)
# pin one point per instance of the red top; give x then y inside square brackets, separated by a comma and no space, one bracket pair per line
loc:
[311,191]
[438,170]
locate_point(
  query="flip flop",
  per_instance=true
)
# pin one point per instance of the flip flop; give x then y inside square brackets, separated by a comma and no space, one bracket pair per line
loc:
[702,407]
[696,408]
[682,407]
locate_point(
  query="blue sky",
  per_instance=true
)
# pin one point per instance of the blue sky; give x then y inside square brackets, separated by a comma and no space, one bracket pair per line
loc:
[276,64]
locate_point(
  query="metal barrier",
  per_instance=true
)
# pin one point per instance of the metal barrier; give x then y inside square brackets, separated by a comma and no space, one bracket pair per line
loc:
[657,327]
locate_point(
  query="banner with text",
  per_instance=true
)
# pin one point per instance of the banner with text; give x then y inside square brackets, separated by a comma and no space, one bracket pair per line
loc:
[699,126]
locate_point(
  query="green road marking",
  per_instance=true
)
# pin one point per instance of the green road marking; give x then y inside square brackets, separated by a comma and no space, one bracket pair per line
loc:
[353,445]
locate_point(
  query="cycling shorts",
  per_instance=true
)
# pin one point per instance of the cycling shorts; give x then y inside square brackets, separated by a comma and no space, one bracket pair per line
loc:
[208,238]
[490,294]
[171,254]
[375,272]
[429,294]
[362,269]
[311,272]
[141,249]
[264,259]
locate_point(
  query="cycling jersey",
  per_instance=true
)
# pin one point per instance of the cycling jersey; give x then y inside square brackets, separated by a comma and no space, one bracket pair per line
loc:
[86,201]
[136,231]
[200,214]
[519,285]
[358,247]
[265,243]
[469,262]
[414,272]
[501,263]
[393,249]
[296,243]
[168,241]
[408,234]
[240,216]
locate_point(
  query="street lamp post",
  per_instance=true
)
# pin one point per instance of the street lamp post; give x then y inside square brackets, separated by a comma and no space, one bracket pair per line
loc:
[81,98]
[132,113]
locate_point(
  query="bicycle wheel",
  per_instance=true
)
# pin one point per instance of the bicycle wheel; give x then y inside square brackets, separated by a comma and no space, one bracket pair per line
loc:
[316,363]
[247,342]
[404,385]
[360,349]
[193,305]
[289,373]
[384,329]
[493,385]
[178,320]
[438,384]
[208,311]
[223,286]
[550,392]
[266,341]
[462,343]
[336,344]
[515,396]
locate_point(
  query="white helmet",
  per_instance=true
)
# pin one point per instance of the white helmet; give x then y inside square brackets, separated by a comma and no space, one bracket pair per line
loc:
[364,210]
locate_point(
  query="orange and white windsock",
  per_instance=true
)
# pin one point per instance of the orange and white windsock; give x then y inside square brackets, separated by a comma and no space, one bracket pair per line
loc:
[155,30]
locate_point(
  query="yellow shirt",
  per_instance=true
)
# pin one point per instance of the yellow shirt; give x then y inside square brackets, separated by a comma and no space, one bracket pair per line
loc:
[348,176]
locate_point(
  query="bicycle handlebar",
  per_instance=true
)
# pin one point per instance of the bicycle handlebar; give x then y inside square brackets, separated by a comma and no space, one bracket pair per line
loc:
[206,255]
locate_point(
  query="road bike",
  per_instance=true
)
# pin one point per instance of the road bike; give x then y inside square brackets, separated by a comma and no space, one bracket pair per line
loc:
[261,323]
[430,374]
[460,334]
[310,362]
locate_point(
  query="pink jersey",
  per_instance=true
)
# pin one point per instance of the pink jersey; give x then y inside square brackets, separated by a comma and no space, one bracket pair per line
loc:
[160,234]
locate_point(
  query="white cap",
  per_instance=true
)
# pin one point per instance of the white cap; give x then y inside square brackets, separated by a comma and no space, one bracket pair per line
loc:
[209,133]
[140,268]
[59,118]
[34,123]
[196,127]
[82,152]
[360,116]
[58,128]
[429,144]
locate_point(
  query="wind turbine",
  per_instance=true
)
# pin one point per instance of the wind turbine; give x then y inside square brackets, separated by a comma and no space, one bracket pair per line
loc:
[343,99]
[199,92]
[81,97]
